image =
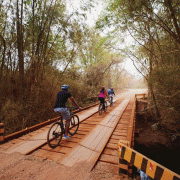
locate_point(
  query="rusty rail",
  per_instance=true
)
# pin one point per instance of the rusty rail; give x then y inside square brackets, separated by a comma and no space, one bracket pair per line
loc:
[38,126]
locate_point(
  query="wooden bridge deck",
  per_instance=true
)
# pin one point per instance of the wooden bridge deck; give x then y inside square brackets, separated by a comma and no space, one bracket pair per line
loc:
[96,142]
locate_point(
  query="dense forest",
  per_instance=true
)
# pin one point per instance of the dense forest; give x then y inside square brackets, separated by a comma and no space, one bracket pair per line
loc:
[44,44]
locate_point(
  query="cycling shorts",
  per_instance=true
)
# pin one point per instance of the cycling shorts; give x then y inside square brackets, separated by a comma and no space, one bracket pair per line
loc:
[64,112]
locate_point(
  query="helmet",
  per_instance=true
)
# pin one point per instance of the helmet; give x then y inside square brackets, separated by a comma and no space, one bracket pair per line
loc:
[102,87]
[64,87]
[111,88]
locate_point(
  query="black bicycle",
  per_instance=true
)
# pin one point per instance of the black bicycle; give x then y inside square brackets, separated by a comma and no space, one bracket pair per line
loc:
[57,129]
[101,107]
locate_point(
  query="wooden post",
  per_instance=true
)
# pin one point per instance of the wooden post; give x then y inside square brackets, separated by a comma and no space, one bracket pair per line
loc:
[123,164]
[1,133]
[144,96]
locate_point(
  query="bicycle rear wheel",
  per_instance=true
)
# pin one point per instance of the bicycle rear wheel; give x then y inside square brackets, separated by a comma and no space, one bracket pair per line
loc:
[74,124]
[110,101]
[54,135]
[100,108]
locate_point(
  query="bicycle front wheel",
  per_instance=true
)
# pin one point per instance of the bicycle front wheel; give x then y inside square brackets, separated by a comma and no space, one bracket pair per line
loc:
[54,135]
[74,125]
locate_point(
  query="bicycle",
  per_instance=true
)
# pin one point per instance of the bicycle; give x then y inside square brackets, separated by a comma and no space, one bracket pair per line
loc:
[111,100]
[57,129]
[101,107]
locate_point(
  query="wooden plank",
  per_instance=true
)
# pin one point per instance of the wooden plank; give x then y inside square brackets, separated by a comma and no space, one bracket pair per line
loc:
[110,152]
[59,149]
[109,158]
[116,137]
[2,131]
[107,167]
[113,141]
[40,137]
[79,154]
[112,146]
[26,147]
[41,153]
[104,139]
[90,148]
[87,156]
[92,136]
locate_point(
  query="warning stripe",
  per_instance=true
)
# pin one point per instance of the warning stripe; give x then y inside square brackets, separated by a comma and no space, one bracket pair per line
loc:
[151,168]
[1,133]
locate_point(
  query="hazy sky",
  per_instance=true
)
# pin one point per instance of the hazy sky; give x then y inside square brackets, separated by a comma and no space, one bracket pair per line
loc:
[92,17]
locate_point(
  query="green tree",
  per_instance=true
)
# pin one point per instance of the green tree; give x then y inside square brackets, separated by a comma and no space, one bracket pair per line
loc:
[155,29]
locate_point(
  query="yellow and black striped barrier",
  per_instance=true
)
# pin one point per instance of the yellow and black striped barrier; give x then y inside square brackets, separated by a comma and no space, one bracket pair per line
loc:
[151,168]
[1,133]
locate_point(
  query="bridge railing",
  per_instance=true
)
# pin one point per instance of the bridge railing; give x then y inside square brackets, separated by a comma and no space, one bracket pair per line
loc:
[4,139]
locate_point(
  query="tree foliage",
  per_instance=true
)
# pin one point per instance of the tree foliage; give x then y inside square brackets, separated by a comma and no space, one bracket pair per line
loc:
[42,47]
[154,27]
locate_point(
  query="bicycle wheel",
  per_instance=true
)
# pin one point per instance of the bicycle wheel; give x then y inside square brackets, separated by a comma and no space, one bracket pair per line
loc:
[54,135]
[100,108]
[110,101]
[105,104]
[74,124]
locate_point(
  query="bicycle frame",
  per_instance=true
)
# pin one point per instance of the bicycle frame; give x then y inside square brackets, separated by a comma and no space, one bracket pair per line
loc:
[57,133]
[111,99]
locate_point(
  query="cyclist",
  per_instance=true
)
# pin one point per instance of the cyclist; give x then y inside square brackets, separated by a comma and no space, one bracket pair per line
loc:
[60,106]
[102,95]
[111,93]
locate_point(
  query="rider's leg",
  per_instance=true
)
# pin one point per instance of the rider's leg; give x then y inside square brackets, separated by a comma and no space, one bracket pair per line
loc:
[65,115]
[66,136]
[103,103]
[67,126]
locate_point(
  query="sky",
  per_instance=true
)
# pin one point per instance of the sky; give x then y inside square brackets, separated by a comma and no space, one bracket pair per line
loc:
[92,17]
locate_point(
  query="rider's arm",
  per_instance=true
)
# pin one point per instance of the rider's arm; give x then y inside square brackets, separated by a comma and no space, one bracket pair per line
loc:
[73,100]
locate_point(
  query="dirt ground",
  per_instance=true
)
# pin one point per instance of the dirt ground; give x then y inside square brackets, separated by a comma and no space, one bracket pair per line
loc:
[157,144]
[20,167]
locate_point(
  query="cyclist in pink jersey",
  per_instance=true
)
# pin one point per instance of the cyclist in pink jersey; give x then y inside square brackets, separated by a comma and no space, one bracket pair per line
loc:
[102,96]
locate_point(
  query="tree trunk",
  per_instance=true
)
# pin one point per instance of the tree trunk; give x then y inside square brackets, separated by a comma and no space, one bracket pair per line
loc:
[3,57]
[150,86]
[20,44]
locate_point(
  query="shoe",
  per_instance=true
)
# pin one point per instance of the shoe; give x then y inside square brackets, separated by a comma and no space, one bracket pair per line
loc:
[66,137]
